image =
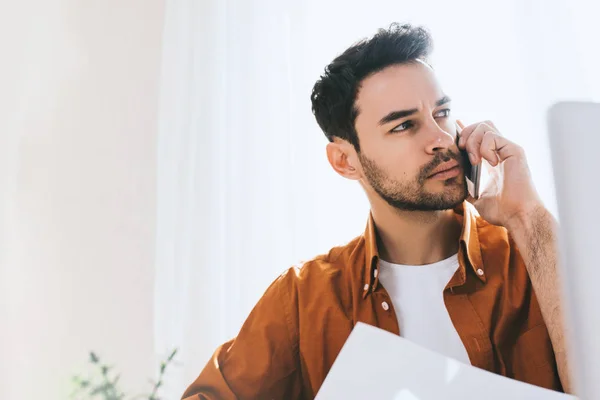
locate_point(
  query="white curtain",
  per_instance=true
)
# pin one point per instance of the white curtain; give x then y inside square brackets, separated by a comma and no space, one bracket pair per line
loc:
[244,188]
[78,126]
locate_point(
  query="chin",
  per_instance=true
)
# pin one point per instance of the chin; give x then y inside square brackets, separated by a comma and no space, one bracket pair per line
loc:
[456,185]
[451,195]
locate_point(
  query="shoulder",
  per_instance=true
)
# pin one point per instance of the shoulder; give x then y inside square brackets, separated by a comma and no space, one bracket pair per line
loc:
[338,262]
[332,272]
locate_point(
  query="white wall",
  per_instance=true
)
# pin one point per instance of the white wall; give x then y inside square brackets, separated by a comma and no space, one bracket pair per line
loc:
[78,125]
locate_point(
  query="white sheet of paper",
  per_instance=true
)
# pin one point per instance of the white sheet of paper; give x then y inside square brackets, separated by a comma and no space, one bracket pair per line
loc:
[376,364]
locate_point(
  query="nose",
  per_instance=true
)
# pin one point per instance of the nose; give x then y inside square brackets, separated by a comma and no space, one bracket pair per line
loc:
[439,140]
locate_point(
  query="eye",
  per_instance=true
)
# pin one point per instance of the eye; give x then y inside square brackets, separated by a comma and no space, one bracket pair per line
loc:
[443,113]
[402,127]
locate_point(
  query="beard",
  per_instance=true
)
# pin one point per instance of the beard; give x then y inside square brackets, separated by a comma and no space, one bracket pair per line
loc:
[412,195]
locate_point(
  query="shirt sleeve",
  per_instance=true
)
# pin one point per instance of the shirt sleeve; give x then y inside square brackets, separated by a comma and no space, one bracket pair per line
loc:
[262,361]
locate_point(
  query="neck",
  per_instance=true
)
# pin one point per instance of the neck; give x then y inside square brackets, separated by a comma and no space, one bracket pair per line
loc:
[415,237]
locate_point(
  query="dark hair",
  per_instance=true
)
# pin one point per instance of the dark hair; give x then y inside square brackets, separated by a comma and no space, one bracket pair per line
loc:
[334,94]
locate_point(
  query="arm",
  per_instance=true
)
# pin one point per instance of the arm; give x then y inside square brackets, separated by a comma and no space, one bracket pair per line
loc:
[534,231]
[261,362]
[510,200]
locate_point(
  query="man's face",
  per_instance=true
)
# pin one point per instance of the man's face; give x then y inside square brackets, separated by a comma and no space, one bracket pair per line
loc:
[407,134]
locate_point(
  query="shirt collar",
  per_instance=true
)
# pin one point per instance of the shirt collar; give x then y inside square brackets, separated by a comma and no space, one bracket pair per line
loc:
[469,244]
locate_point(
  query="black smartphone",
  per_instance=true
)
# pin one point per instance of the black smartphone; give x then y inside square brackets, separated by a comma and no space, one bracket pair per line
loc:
[472,172]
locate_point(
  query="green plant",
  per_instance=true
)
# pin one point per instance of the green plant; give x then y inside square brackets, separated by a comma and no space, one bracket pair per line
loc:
[104,385]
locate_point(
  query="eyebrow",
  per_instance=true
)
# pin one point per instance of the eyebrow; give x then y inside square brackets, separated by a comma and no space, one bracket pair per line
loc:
[399,114]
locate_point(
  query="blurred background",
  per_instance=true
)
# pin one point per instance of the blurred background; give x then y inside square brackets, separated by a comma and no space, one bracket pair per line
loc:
[160,165]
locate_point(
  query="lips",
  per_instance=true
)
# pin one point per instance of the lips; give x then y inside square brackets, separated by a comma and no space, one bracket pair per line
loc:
[444,167]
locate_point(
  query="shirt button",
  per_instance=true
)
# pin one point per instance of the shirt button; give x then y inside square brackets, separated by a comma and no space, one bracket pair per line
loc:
[366,286]
[480,272]
[385,306]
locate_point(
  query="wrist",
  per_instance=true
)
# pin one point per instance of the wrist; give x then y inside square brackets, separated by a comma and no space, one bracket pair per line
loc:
[523,217]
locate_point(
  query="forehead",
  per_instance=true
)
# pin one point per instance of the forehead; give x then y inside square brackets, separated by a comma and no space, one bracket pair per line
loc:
[398,87]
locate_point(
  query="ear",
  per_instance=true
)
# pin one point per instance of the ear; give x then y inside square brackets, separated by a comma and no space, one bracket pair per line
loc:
[343,159]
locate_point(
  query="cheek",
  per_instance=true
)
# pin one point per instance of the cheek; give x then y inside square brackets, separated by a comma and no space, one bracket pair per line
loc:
[402,162]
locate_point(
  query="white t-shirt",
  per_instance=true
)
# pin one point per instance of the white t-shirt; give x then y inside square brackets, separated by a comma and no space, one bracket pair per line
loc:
[417,295]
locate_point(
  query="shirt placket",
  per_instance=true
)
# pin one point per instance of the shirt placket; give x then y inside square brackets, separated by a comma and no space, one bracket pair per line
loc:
[469,326]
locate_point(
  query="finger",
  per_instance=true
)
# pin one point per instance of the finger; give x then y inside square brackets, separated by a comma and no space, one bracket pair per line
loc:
[468,131]
[459,127]
[493,126]
[473,143]
[488,147]
[503,148]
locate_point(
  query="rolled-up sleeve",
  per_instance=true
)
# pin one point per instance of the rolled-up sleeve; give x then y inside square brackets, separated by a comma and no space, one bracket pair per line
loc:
[262,361]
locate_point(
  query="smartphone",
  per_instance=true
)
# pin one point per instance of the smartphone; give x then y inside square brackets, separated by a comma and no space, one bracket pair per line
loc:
[472,172]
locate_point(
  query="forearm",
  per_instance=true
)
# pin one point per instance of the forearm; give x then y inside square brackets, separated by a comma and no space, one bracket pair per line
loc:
[535,234]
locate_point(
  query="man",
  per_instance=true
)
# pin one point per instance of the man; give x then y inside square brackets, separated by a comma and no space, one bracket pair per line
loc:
[476,282]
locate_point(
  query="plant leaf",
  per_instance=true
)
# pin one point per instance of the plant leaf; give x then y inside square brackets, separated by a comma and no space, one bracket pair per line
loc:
[101,388]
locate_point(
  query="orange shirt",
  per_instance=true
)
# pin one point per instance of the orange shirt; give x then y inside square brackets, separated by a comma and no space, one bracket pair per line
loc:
[294,333]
